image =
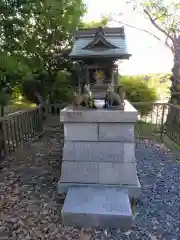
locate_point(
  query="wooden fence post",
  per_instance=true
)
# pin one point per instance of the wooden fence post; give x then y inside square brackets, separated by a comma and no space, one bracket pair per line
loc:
[3,141]
[162,123]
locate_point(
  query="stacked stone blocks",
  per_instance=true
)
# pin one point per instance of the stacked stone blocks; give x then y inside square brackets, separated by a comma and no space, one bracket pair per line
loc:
[99,148]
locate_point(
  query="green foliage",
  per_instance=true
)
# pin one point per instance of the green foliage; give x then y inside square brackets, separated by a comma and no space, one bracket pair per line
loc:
[165,17]
[30,88]
[4,98]
[137,90]
[162,84]
[102,22]
[62,90]
[36,37]
[16,93]
[36,28]
[32,34]
[166,13]
[11,71]
[22,106]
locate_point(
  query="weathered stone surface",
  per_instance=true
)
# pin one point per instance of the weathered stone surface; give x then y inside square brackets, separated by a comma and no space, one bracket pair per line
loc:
[103,173]
[129,152]
[117,173]
[79,172]
[81,131]
[97,207]
[123,132]
[94,151]
[129,114]
[99,149]
[99,152]
[133,190]
[116,132]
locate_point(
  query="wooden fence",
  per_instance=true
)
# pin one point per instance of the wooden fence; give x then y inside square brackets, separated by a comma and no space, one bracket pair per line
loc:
[19,128]
[54,109]
[6,110]
[151,124]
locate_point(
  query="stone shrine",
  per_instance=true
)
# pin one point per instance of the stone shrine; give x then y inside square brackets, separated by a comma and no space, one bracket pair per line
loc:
[98,170]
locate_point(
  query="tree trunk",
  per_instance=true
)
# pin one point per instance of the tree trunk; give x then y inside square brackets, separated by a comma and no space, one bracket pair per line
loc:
[175,89]
[173,116]
[41,103]
[52,79]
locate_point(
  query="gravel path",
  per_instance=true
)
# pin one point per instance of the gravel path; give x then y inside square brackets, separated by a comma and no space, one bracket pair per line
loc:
[30,208]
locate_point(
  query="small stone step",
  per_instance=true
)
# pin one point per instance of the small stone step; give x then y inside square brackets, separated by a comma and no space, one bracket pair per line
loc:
[104,207]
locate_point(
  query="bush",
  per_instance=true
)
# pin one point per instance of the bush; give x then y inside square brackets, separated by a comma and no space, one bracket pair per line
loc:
[137,90]
[55,88]
[29,89]
[16,94]
[62,90]
[162,86]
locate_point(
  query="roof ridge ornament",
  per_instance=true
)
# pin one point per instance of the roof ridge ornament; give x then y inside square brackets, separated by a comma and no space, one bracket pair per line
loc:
[100,38]
[99,31]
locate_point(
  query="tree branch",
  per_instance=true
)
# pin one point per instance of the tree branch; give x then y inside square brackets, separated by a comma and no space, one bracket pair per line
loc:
[146,31]
[157,26]
[164,14]
[140,29]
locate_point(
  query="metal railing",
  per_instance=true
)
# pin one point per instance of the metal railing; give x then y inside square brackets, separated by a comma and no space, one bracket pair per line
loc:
[151,120]
[172,125]
[162,119]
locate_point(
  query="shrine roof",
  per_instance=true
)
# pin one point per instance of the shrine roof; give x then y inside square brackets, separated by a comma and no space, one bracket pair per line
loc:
[100,42]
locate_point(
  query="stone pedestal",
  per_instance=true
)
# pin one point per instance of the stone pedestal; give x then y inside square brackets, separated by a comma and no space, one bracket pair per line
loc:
[97,207]
[99,149]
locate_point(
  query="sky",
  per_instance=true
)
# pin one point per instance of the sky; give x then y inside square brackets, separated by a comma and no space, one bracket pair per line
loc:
[148,54]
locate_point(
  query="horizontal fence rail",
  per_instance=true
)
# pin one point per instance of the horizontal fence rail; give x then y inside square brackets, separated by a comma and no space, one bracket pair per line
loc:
[6,110]
[18,128]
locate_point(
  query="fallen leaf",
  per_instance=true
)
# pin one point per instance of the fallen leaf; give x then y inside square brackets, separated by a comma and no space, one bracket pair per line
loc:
[153,237]
[85,234]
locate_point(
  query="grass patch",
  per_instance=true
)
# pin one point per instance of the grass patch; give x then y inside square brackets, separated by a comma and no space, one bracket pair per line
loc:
[171,144]
[146,129]
[17,106]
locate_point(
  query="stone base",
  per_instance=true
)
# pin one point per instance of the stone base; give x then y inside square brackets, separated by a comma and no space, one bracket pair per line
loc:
[103,132]
[72,115]
[112,152]
[100,173]
[134,191]
[99,149]
[97,207]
